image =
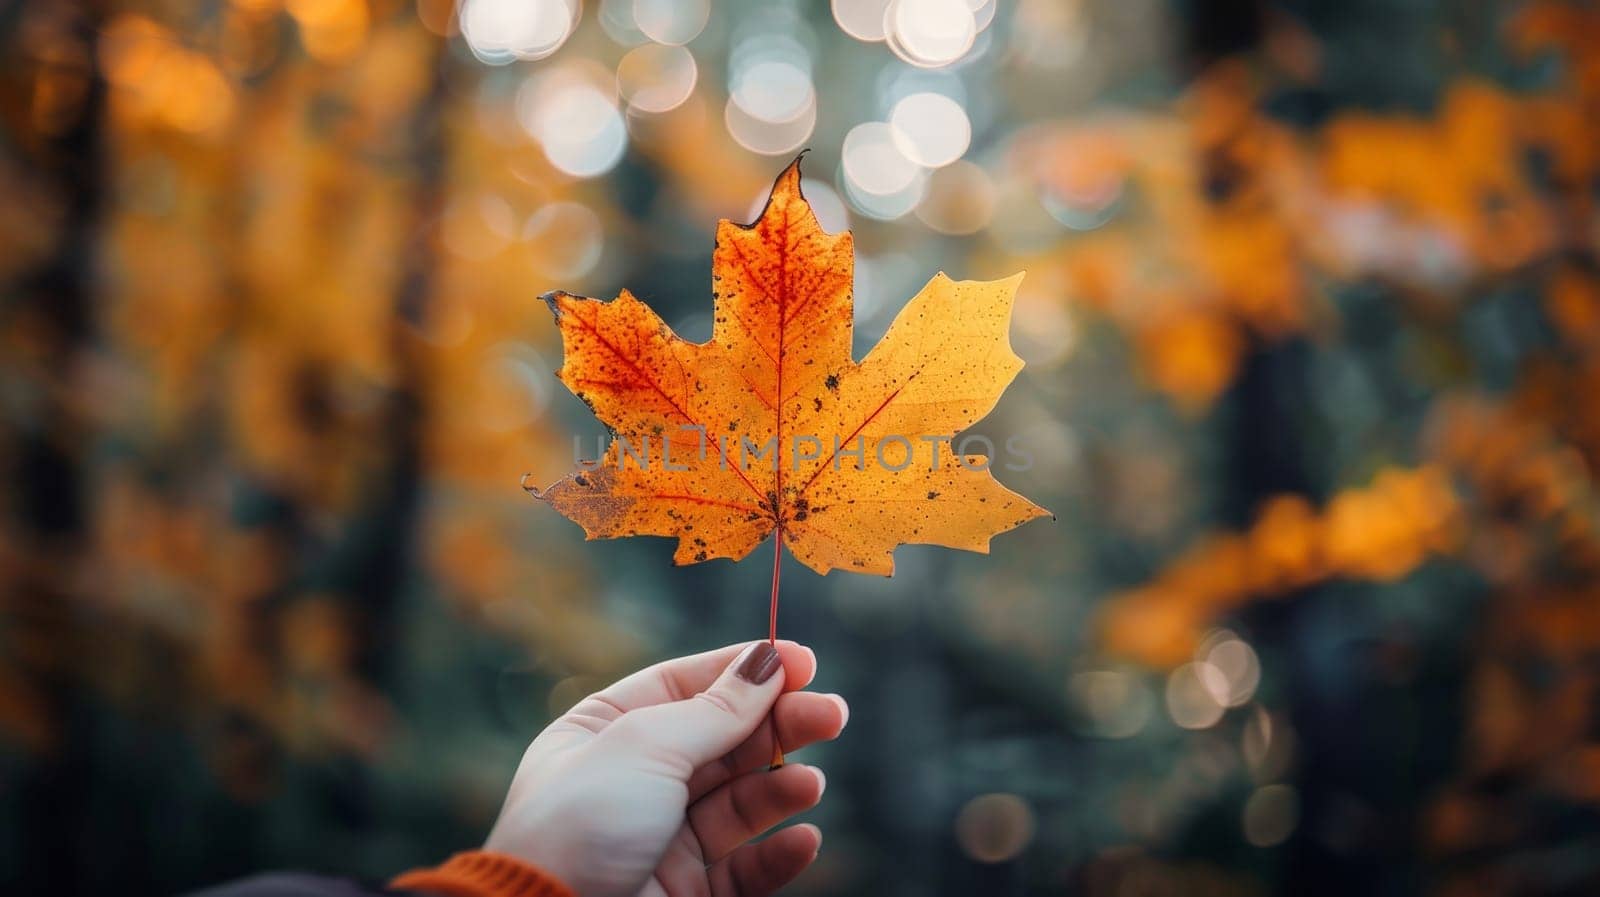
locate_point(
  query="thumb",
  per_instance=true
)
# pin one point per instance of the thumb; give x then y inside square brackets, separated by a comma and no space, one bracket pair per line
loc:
[702,728]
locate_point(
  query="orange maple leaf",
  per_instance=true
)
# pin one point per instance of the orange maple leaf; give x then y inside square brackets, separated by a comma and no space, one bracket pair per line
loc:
[771,426]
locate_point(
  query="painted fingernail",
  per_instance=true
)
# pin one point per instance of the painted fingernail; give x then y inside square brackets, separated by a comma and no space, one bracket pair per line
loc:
[759,664]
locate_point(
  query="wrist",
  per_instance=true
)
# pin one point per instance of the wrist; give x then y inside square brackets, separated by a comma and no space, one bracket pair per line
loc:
[538,852]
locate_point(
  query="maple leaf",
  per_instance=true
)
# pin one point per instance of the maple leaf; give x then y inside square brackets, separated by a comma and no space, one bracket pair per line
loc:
[771,425]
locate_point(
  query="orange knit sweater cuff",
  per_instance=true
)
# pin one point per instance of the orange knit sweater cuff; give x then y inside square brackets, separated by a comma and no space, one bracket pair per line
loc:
[479,873]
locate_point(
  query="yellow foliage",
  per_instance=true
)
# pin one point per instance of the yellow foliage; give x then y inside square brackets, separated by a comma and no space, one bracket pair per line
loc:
[1378,532]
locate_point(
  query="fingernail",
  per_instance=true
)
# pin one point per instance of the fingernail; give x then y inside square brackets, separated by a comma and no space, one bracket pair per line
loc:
[759,664]
[819,837]
[822,780]
[844,709]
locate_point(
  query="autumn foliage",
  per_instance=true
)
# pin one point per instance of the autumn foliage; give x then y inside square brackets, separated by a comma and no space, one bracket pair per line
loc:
[1311,324]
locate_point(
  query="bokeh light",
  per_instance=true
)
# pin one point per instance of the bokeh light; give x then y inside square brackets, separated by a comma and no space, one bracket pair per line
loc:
[773,90]
[565,240]
[617,21]
[929,33]
[656,77]
[861,19]
[930,129]
[500,31]
[573,115]
[1270,815]
[772,101]
[516,380]
[672,22]
[1236,661]
[1192,691]
[766,137]
[880,180]
[1115,703]
[994,828]
[983,12]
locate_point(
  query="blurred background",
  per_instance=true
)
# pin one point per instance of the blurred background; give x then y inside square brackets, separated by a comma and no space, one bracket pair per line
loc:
[1312,326]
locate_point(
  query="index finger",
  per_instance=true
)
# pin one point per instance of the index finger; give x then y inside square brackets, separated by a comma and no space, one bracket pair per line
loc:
[684,677]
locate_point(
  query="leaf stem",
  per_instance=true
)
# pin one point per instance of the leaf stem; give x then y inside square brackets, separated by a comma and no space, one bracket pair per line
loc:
[772,631]
[772,611]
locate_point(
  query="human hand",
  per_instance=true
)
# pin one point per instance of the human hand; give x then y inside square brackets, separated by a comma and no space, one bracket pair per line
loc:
[654,785]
